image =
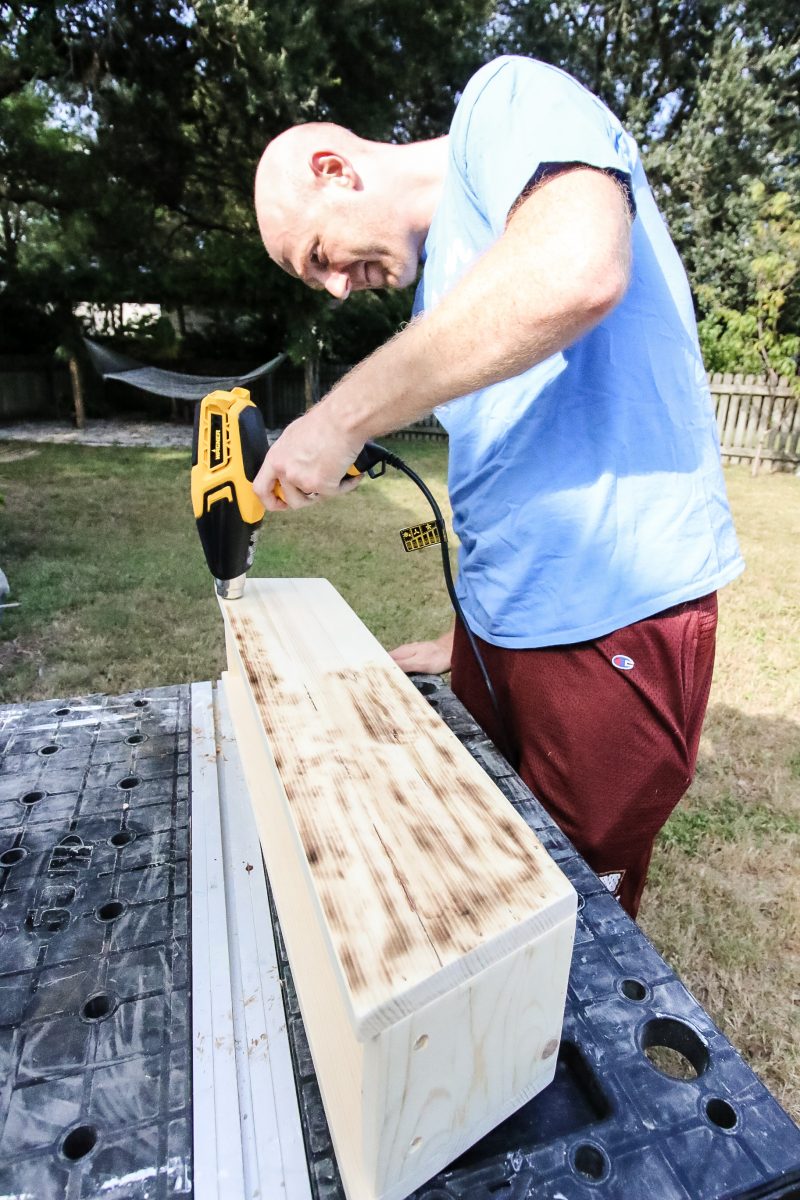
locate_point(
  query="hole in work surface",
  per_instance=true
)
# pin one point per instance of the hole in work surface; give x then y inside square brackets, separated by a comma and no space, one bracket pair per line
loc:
[32,798]
[110,910]
[421,1042]
[633,989]
[130,781]
[674,1048]
[61,712]
[590,1161]
[141,703]
[46,751]
[135,739]
[427,687]
[721,1114]
[79,1142]
[123,837]
[10,858]
[99,1006]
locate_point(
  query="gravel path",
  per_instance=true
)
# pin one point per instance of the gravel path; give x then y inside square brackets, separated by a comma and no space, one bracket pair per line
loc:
[156,434]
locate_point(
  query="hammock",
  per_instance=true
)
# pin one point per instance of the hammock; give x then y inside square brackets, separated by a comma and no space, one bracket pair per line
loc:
[111,365]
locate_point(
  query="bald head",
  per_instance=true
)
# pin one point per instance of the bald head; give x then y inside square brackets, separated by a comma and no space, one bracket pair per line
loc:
[343,213]
[291,171]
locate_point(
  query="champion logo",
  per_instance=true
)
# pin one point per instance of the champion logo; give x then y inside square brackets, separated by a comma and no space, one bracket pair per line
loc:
[622,662]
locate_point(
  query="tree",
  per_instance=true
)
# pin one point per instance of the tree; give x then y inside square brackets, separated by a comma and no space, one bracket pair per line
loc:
[710,89]
[89,154]
[130,130]
[645,60]
[155,115]
[743,129]
[757,339]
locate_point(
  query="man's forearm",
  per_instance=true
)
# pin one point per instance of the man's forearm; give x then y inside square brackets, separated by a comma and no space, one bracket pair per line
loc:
[560,267]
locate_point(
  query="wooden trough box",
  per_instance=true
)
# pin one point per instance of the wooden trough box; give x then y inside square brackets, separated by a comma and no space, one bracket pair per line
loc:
[428,931]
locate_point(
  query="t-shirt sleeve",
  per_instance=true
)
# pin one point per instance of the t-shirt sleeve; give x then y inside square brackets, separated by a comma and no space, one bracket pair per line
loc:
[520,119]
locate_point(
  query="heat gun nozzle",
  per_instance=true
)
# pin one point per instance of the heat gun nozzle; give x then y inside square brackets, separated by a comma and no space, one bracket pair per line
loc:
[231,589]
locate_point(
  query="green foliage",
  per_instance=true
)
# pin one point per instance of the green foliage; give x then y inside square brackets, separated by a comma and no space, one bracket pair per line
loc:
[646,60]
[129,133]
[743,129]
[756,339]
[129,143]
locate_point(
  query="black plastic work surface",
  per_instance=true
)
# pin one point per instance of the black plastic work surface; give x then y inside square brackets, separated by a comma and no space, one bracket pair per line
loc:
[94,1024]
[612,1126]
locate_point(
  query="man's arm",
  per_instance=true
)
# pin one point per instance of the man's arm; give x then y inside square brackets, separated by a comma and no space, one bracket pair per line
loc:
[561,265]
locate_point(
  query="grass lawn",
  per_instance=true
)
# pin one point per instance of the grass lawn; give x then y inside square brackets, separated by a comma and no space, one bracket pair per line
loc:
[100,547]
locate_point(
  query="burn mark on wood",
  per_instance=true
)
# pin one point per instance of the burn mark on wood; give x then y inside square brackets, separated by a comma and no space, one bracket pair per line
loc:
[386,714]
[422,838]
[397,944]
[257,665]
[352,969]
[404,885]
[516,844]
[448,869]
[441,932]
[397,794]
[369,724]
[448,756]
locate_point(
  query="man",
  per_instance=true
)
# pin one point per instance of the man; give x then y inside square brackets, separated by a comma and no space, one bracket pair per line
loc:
[559,348]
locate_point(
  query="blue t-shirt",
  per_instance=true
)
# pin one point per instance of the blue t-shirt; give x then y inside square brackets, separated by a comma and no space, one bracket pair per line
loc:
[587,492]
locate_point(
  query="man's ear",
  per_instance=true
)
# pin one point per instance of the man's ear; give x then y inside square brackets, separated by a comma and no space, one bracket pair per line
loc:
[330,167]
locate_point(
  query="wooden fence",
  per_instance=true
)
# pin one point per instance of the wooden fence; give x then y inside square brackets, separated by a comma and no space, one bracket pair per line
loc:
[31,385]
[757,422]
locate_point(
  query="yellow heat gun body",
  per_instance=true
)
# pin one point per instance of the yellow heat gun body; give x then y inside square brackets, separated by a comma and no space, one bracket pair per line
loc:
[229,445]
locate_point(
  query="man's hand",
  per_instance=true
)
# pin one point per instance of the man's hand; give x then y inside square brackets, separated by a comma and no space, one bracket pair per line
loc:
[309,459]
[425,658]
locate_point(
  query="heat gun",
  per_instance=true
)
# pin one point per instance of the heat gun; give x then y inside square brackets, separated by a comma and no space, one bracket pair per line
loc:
[229,445]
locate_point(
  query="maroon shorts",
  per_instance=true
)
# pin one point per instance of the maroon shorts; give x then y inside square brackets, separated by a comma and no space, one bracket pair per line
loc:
[605,732]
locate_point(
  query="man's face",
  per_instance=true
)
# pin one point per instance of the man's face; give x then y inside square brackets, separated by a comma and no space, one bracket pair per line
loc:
[343,241]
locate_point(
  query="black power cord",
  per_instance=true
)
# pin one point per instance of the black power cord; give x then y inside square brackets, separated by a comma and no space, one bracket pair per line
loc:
[373,460]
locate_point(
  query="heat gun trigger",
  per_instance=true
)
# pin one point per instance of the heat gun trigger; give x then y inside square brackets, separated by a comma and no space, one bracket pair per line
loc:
[371,461]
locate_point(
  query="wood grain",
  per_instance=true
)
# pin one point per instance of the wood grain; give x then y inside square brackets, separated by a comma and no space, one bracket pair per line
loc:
[429,933]
[424,873]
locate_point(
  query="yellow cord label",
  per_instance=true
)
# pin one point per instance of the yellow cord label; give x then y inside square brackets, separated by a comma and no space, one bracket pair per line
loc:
[417,537]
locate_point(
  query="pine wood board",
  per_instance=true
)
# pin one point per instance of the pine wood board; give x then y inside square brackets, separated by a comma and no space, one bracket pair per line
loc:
[407,1101]
[338,1055]
[420,873]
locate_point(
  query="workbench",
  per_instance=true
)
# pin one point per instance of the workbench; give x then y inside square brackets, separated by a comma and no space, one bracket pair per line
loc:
[151,1044]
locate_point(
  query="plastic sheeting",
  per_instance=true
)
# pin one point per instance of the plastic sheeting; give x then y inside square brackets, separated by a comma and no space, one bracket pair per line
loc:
[112,365]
